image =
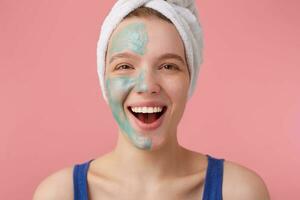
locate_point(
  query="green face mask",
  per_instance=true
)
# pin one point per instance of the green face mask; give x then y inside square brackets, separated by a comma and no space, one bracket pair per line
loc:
[134,38]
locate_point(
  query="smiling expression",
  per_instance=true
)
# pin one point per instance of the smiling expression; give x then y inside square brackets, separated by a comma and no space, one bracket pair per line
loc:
[145,63]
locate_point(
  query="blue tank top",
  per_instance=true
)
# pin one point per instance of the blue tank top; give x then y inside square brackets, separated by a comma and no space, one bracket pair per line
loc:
[212,185]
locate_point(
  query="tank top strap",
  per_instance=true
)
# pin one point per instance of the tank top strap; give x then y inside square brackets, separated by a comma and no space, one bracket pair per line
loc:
[213,179]
[80,181]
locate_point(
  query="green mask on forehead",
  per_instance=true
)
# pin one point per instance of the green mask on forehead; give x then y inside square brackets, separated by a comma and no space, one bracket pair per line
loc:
[133,37]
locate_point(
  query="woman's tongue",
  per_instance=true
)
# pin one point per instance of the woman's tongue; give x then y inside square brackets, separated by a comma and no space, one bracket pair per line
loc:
[147,118]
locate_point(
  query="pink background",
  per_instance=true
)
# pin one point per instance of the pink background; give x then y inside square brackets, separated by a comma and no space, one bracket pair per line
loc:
[246,107]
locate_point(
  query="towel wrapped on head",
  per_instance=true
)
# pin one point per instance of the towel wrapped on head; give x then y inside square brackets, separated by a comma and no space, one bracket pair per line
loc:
[182,13]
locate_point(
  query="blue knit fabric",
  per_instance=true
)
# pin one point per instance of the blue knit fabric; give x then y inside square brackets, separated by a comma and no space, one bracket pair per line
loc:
[80,181]
[212,186]
[213,179]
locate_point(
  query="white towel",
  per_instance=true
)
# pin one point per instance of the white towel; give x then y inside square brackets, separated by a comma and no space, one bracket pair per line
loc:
[184,16]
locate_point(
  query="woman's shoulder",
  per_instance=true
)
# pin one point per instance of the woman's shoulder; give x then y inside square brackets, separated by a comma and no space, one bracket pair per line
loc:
[56,186]
[240,182]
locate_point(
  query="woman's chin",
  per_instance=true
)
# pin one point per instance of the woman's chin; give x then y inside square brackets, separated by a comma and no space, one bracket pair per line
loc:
[156,141]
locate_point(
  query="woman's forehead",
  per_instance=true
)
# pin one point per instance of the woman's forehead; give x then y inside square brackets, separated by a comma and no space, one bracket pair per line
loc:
[132,36]
[145,35]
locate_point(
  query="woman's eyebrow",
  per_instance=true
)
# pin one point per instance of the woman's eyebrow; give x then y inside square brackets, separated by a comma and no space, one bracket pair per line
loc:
[122,55]
[171,55]
[130,55]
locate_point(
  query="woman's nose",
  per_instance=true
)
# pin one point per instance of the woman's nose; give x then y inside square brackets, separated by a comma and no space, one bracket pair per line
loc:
[147,82]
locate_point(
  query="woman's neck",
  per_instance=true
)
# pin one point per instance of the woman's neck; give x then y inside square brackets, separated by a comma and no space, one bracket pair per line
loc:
[152,165]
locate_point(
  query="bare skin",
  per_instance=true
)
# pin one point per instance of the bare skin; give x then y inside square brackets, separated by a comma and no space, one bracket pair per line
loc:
[239,183]
[154,166]
[188,185]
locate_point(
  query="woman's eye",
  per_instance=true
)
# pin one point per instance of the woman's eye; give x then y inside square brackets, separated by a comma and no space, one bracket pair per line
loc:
[123,67]
[170,67]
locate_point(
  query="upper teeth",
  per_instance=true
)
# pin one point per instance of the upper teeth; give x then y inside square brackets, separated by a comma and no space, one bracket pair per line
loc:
[146,109]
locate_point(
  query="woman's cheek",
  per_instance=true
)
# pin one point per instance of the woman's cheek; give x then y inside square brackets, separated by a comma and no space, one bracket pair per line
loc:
[118,88]
[175,87]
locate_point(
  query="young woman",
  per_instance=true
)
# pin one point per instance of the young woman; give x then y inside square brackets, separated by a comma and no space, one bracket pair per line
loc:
[146,81]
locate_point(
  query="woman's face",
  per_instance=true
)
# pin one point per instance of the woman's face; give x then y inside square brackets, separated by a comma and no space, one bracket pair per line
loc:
[146,80]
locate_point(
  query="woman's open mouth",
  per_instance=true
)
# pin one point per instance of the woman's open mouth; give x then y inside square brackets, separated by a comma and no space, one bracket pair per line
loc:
[147,114]
[148,118]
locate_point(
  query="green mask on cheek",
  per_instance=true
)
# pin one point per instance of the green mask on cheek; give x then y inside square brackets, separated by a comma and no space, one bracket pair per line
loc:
[118,89]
